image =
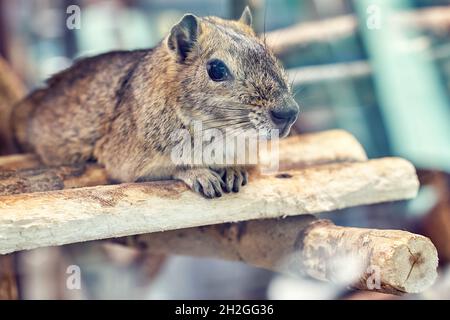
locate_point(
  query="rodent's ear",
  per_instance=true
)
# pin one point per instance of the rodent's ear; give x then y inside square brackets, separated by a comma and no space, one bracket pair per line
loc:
[183,36]
[246,17]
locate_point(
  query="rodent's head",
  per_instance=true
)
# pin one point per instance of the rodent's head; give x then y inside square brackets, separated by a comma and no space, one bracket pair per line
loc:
[227,76]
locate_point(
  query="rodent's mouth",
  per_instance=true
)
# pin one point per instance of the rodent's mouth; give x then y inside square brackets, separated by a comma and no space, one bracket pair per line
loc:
[283,118]
[284,127]
[285,130]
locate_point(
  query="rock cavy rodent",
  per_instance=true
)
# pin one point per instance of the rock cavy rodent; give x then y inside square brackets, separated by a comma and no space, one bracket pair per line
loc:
[120,108]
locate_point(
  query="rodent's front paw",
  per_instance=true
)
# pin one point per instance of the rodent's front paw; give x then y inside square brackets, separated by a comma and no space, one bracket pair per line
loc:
[204,181]
[234,178]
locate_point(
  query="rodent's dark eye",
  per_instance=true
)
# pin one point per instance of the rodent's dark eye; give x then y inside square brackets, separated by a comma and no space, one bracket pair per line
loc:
[217,70]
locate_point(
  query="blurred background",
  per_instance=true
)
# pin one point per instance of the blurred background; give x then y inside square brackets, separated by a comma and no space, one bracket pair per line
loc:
[379,69]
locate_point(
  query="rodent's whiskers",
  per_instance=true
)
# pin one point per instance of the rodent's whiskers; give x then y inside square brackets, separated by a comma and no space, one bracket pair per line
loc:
[229,117]
[237,124]
[236,108]
[293,79]
[219,125]
[299,90]
[233,113]
[229,125]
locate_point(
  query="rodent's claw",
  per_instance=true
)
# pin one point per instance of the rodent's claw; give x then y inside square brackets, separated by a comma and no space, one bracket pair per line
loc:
[208,186]
[204,181]
[234,178]
[212,183]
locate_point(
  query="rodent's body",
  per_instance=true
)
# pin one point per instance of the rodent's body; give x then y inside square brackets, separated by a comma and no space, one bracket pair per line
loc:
[121,108]
[84,114]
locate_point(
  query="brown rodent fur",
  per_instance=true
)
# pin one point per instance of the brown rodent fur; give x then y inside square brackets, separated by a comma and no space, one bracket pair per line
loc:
[120,108]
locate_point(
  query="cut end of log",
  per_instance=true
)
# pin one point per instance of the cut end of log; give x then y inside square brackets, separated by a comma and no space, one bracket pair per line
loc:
[389,261]
[414,266]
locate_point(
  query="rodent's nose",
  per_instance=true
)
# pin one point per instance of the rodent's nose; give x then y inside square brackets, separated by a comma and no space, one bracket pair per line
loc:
[285,115]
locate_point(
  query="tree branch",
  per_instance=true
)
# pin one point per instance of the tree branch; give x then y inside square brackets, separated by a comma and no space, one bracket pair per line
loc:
[388,261]
[284,40]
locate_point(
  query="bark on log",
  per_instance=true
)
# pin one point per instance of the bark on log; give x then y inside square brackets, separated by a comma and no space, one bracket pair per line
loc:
[294,152]
[59,217]
[388,261]
[284,40]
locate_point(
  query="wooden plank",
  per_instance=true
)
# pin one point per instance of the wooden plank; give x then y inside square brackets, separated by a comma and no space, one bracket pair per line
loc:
[59,217]
[24,173]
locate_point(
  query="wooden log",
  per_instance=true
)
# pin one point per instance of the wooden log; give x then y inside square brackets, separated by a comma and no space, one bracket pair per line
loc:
[294,152]
[284,40]
[59,217]
[329,72]
[388,261]
[319,148]
[405,262]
